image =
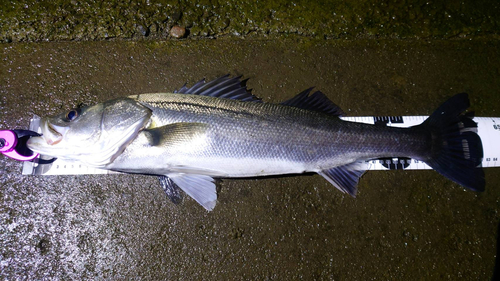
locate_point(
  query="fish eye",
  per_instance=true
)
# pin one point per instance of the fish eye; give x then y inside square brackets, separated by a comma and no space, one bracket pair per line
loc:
[72,115]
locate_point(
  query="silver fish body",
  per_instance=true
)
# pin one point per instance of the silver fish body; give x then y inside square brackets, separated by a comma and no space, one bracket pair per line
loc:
[230,138]
[218,129]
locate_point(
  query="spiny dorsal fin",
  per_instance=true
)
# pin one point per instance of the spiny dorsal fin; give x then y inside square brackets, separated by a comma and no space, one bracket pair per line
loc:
[222,87]
[316,102]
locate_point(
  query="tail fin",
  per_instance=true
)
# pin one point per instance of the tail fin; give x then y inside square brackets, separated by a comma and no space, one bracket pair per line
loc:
[457,150]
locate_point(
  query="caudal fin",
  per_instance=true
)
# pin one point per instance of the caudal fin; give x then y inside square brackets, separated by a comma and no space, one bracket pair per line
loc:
[457,150]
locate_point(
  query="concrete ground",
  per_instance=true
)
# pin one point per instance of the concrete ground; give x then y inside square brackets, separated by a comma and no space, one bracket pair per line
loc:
[404,225]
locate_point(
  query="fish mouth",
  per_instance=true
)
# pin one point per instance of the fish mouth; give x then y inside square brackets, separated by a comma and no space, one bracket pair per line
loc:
[52,134]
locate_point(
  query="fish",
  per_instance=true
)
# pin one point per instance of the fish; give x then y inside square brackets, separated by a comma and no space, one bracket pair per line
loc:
[219,129]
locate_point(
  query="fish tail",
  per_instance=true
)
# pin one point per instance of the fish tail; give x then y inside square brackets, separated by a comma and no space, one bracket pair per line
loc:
[457,151]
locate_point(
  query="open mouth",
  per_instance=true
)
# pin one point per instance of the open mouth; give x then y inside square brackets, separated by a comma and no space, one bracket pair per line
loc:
[51,133]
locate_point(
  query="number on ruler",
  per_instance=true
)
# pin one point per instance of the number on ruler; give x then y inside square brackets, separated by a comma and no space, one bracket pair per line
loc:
[495,126]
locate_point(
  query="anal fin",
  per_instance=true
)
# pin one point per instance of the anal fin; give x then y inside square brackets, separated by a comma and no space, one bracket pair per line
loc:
[345,178]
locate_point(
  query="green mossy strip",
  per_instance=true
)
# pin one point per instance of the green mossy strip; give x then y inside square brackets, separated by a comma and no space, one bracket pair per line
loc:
[64,20]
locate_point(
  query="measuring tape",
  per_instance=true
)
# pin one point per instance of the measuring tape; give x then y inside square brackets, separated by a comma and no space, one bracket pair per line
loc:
[488,129]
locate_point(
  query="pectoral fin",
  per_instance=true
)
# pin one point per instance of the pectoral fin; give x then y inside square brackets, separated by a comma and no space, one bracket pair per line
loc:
[176,133]
[345,178]
[200,187]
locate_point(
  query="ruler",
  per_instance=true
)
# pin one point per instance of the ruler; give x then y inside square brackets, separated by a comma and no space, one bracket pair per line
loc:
[488,130]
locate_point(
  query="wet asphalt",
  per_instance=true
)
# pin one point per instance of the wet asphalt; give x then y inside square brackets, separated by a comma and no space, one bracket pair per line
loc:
[403,225]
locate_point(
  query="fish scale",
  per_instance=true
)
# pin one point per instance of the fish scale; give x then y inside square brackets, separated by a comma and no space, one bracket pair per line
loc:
[289,134]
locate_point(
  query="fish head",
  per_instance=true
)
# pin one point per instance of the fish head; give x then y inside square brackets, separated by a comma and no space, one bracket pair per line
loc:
[94,135]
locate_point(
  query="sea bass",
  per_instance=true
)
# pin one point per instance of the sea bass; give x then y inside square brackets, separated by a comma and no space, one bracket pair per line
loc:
[218,129]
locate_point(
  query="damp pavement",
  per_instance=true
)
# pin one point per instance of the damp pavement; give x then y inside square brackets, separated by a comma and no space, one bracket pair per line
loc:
[411,225]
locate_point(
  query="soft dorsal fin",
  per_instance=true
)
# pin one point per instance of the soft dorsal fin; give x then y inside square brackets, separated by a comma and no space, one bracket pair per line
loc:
[316,102]
[222,87]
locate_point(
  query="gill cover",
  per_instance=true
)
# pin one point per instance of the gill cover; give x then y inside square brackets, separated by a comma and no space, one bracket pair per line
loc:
[94,135]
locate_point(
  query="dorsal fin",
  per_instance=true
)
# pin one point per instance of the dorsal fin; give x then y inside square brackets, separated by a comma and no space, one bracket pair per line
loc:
[222,87]
[316,102]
